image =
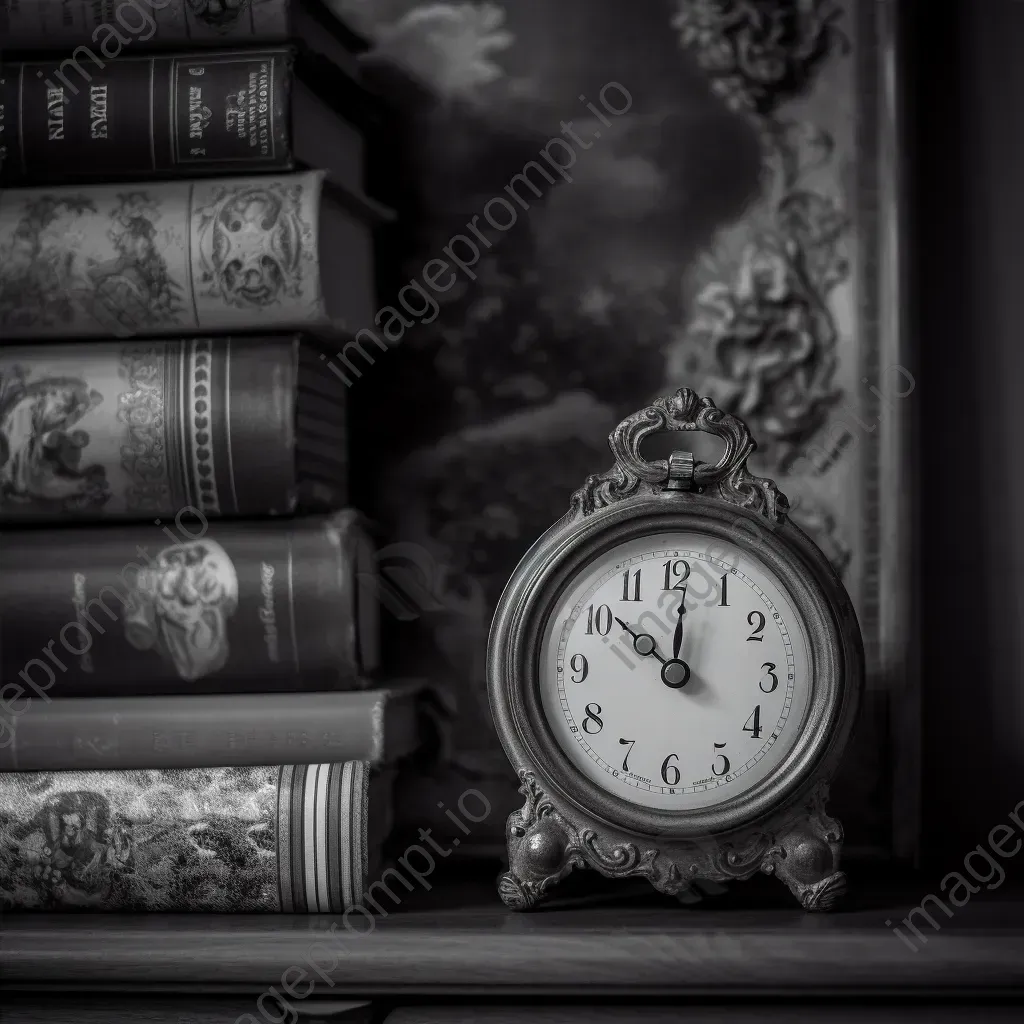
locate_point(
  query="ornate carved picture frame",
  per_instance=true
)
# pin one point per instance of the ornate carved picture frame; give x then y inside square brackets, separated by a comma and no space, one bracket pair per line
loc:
[801,307]
[739,231]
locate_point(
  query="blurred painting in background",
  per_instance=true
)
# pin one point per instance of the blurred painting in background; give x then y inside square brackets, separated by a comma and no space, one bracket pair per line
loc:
[719,231]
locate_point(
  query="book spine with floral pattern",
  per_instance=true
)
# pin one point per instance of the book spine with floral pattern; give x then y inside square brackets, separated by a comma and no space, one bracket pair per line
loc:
[174,258]
[292,839]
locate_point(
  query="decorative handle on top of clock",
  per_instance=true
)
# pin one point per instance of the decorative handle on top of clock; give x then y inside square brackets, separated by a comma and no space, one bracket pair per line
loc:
[685,410]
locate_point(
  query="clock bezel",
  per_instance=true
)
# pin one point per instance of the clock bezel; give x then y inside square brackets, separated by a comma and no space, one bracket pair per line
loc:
[557,559]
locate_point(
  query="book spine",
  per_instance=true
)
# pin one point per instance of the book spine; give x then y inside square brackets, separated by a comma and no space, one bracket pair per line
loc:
[109,27]
[141,117]
[190,732]
[321,434]
[161,258]
[287,839]
[140,430]
[186,606]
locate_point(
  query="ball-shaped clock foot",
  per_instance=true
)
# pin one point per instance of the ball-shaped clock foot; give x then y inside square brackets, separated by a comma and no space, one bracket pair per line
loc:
[539,857]
[808,864]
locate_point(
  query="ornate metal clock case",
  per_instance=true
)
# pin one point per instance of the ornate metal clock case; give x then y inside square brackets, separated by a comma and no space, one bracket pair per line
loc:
[704,792]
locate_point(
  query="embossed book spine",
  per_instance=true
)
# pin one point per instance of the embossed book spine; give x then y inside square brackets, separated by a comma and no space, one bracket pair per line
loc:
[245,426]
[292,839]
[183,116]
[108,27]
[187,606]
[180,257]
[215,113]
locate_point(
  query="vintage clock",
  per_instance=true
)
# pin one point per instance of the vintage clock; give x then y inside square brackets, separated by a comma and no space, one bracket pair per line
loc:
[674,669]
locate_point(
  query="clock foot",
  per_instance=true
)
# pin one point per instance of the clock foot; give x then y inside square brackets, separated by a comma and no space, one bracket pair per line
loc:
[539,857]
[807,861]
[541,850]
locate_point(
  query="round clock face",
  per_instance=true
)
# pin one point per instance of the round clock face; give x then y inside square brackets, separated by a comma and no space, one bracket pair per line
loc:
[675,671]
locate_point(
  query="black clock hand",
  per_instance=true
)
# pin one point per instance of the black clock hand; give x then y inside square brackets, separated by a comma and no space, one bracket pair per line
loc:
[676,673]
[677,639]
[643,643]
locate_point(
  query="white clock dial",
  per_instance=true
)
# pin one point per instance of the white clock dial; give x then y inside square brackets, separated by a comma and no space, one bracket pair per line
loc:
[674,671]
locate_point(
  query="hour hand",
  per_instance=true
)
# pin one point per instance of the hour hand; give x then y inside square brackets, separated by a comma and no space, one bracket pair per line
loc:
[643,643]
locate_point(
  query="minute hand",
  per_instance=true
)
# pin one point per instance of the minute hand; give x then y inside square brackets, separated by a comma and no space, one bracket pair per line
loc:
[677,639]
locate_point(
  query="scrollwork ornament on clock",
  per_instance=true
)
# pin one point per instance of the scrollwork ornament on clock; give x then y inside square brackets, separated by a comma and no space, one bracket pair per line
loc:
[674,670]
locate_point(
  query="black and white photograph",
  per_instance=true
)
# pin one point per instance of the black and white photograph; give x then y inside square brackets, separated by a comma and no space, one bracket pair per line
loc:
[507,511]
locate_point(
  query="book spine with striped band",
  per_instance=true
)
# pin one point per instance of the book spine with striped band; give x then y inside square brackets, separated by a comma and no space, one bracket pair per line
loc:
[322,856]
[291,839]
[246,426]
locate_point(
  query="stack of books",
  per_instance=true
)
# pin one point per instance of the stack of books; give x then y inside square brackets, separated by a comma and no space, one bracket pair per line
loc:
[191,712]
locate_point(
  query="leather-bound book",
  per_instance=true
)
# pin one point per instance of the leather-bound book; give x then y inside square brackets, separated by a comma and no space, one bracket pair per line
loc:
[232,730]
[245,426]
[169,258]
[188,606]
[293,839]
[224,112]
[91,33]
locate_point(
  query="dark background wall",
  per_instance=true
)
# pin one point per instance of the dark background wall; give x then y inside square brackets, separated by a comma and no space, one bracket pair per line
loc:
[967,200]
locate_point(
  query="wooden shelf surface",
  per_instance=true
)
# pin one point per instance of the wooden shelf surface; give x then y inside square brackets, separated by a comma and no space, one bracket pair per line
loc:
[461,940]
